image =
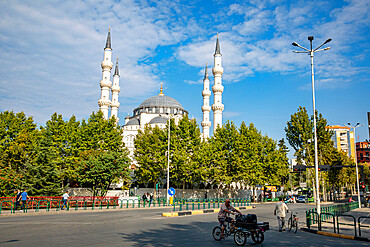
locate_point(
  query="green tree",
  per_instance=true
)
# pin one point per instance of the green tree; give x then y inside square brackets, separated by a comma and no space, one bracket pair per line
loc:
[150,154]
[185,144]
[100,168]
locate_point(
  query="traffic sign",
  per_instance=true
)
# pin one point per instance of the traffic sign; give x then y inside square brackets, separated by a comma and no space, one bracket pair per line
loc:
[171,191]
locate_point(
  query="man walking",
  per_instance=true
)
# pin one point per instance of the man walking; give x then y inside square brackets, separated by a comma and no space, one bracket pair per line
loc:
[65,199]
[279,211]
[24,197]
[17,199]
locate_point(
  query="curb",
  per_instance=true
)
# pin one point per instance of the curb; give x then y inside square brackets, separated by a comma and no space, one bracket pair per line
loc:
[195,212]
[335,235]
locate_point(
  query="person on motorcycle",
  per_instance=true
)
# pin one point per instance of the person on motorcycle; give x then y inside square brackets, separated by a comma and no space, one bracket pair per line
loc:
[223,215]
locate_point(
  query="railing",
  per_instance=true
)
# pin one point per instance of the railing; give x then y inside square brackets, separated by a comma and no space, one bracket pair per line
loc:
[47,203]
[334,210]
[347,215]
[327,216]
[359,223]
[77,203]
[196,204]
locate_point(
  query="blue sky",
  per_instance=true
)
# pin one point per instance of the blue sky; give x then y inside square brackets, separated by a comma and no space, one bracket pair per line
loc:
[51,53]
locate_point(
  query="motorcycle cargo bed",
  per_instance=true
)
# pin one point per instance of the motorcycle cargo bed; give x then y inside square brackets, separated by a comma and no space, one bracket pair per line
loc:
[264,225]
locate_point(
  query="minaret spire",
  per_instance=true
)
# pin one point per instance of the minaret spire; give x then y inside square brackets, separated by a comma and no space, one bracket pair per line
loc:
[218,49]
[217,88]
[105,83]
[206,72]
[116,72]
[108,43]
[115,93]
[206,108]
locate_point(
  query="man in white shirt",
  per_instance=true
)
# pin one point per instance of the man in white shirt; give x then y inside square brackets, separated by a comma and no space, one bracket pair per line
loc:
[65,199]
[279,211]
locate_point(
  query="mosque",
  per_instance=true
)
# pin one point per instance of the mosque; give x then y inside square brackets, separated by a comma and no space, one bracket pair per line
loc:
[156,110]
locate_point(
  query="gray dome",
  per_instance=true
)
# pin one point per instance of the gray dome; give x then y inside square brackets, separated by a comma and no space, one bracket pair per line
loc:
[161,100]
[133,121]
[158,120]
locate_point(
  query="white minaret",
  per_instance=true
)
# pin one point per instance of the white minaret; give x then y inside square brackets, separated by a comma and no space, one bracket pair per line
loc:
[217,88]
[115,92]
[206,108]
[105,83]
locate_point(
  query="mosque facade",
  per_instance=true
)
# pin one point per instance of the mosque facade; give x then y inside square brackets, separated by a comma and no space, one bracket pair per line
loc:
[156,110]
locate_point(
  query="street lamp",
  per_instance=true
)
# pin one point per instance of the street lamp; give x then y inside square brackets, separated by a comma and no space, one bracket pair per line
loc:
[168,157]
[311,51]
[358,182]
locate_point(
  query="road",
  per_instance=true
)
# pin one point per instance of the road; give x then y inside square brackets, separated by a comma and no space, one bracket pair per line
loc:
[143,227]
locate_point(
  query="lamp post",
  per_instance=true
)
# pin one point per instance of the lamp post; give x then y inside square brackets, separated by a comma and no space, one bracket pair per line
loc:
[311,51]
[358,182]
[168,157]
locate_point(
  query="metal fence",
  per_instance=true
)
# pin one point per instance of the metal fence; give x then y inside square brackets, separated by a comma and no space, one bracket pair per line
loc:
[84,203]
[328,212]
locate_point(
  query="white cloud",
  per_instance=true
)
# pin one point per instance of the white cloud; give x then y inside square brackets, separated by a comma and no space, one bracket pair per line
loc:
[262,41]
[51,53]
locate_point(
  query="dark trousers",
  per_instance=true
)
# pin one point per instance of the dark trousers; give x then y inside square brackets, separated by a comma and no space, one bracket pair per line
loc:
[24,205]
[16,205]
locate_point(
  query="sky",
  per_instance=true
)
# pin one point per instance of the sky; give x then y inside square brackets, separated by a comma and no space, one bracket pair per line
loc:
[51,53]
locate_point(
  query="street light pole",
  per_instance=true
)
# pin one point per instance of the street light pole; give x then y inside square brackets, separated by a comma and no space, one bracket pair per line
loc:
[168,160]
[311,51]
[358,182]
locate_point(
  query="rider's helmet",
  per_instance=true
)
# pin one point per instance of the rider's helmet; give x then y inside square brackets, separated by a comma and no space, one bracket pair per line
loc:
[227,201]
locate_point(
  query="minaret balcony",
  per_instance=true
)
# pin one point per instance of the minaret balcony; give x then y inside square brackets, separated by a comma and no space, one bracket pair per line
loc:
[115,104]
[104,102]
[105,83]
[206,108]
[218,107]
[206,123]
[218,70]
[206,93]
[116,88]
[107,64]
[217,88]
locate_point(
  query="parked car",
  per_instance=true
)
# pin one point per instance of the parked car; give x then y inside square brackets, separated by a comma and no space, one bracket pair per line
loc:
[301,199]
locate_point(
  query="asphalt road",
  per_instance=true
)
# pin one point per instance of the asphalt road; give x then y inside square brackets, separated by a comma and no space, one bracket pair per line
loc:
[144,227]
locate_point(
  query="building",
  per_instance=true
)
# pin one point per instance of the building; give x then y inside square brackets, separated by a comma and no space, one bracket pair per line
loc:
[363,152]
[344,139]
[156,110]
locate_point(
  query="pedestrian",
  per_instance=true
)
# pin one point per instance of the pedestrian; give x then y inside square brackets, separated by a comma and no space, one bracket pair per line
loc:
[24,197]
[148,196]
[279,211]
[143,197]
[151,196]
[17,199]
[260,198]
[65,199]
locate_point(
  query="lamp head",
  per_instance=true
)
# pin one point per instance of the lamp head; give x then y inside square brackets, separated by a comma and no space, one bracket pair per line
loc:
[310,38]
[327,41]
[295,44]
